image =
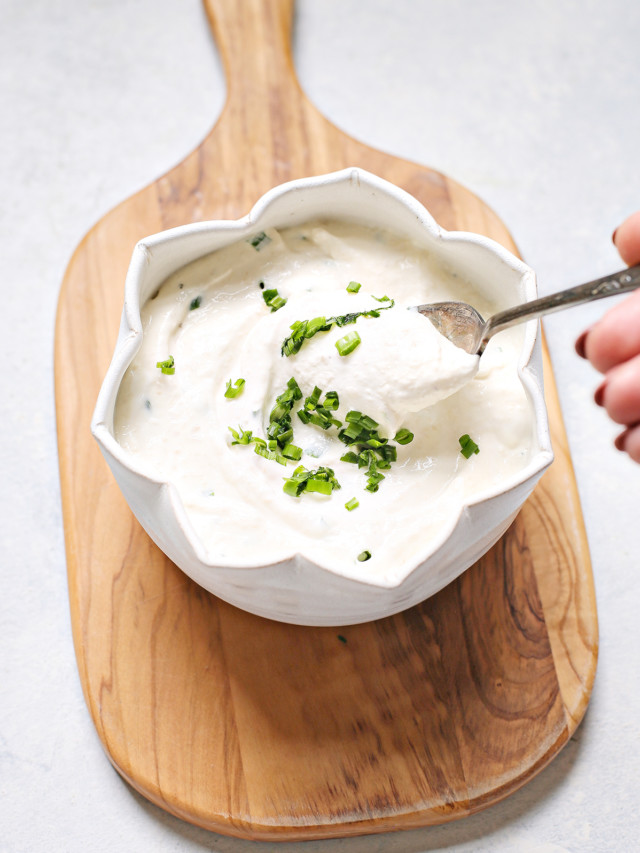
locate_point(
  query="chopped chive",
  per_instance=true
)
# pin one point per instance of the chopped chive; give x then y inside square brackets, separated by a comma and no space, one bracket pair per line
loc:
[168,367]
[367,448]
[313,399]
[259,241]
[389,454]
[342,639]
[293,487]
[147,404]
[284,435]
[373,482]
[364,556]
[353,286]
[279,411]
[322,481]
[234,389]
[348,343]
[292,452]
[352,431]
[323,487]
[195,303]
[331,400]
[347,319]
[352,504]
[277,302]
[320,421]
[302,330]
[262,450]
[273,299]
[403,436]
[367,423]
[365,458]
[320,413]
[314,326]
[241,436]
[280,428]
[293,386]
[468,446]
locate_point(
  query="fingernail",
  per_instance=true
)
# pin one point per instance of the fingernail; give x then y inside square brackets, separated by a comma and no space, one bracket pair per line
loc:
[621,440]
[599,395]
[581,344]
[613,237]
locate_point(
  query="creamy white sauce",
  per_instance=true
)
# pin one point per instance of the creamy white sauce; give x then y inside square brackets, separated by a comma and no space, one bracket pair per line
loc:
[403,374]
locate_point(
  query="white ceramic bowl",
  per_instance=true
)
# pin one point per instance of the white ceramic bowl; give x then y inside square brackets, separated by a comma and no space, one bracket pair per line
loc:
[296,589]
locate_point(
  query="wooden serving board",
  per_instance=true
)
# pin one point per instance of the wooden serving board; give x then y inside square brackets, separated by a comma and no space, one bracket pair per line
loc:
[269,731]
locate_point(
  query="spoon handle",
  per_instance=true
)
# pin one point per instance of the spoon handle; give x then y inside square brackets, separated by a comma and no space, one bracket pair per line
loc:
[609,285]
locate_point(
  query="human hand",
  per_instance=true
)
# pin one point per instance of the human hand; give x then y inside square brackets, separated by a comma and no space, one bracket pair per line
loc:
[612,346]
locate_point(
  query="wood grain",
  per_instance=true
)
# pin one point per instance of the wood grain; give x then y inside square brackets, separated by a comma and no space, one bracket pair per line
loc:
[264,730]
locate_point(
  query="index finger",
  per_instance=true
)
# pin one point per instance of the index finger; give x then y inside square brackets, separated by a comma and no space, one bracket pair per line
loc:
[615,338]
[626,239]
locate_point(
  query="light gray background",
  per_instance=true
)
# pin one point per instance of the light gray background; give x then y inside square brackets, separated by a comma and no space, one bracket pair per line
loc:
[534,106]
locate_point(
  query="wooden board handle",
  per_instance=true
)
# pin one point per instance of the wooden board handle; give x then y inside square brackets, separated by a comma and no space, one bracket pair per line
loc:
[254,40]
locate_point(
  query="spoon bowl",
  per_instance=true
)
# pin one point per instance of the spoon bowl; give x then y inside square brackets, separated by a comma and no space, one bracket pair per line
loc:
[466,328]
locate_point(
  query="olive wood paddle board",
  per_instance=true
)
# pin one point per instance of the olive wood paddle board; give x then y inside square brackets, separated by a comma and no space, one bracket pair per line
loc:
[264,730]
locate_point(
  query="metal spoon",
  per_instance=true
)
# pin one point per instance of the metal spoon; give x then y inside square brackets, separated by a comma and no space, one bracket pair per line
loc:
[464,326]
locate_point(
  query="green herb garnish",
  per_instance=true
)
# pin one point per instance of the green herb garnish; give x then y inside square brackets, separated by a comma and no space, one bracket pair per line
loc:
[342,639]
[280,428]
[234,389]
[291,451]
[168,367]
[403,436]
[322,481]
[268,450]
[195,303]
[353,286]
[331,400]
[277,446]
[273,299]
[303,330]
[352,504]
[367,448]
[320,413]
[364,556]
[241,436]
[468,446]
[259,241]
[348,343]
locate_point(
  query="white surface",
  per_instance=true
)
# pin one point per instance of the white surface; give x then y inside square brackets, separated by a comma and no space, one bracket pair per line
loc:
[534,107]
